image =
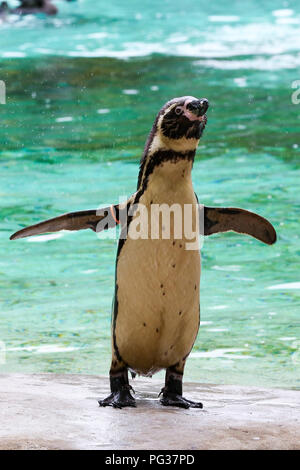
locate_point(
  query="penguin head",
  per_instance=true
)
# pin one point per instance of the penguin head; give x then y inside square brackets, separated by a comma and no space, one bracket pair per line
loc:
[182,119]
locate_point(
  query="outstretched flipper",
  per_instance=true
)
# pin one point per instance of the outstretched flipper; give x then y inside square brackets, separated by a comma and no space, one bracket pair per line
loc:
[96,220]
[225,219]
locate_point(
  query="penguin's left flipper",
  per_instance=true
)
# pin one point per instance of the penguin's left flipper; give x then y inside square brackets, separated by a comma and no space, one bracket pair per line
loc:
[225,219]
[96,220]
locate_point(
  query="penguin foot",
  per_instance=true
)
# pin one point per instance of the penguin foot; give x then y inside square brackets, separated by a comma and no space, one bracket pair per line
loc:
[174,399]
[119,398]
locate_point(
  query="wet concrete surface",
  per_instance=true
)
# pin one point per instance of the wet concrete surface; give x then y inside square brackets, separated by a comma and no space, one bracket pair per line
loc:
[49,411]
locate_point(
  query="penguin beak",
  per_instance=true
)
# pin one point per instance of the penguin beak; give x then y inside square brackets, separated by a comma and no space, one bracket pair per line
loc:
[195,110]
[198,107]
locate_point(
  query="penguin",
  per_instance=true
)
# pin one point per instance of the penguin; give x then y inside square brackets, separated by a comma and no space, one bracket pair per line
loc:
[156,308]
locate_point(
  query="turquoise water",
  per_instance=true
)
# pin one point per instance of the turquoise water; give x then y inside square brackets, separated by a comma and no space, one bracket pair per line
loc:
[83,89]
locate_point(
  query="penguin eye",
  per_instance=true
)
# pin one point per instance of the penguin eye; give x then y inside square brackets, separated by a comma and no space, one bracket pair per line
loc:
[178,110]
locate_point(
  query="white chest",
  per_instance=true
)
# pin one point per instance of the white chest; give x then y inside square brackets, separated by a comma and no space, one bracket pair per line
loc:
[158,281]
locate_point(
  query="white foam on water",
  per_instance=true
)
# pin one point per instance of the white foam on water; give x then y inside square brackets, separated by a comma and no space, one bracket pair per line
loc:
[44,238]
[276,62]
[130,92]
[103,111]
[240,81]
[224,353]
[212,36]
[228,267]
[64,119]
[288,20]
[175,38]
[217,307]
[211,49]
[99,35]
[288,338]
[289,285]
[282,12]
[45,349]
[13,54]
[217,330]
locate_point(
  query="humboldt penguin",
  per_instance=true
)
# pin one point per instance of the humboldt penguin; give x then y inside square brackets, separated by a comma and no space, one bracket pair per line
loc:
[156,312]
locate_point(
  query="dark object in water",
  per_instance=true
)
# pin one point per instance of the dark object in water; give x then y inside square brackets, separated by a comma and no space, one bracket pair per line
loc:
[29,7]
[4,10]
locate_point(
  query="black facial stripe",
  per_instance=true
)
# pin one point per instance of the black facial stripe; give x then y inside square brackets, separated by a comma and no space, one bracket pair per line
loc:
[176,127]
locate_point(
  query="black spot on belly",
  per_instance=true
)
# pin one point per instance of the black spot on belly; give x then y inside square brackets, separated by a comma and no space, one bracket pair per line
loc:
[174,242]
[161,286]
[144,324]
[173,265]
[180,246]
[195,286]
[157,330]
[180,312]
[166,353]
[164,293]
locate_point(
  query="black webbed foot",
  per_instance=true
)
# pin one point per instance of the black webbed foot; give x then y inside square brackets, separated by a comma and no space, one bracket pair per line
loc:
[119,398]
[174,399]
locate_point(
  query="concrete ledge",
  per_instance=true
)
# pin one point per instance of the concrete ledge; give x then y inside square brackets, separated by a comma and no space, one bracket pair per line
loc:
[49,411]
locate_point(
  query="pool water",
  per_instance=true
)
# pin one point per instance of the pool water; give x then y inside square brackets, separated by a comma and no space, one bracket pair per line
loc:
[83,89]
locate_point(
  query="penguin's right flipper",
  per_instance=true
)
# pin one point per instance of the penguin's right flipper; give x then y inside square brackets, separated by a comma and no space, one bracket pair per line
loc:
[96,220]
[225,219]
